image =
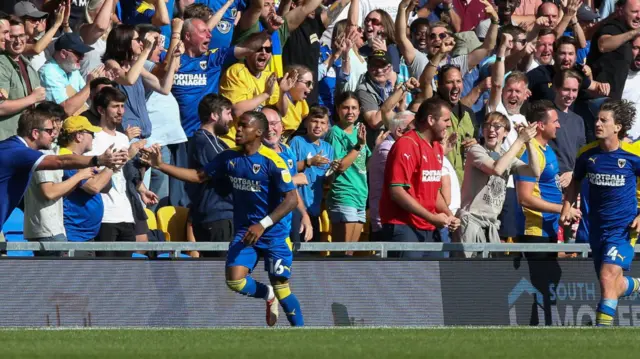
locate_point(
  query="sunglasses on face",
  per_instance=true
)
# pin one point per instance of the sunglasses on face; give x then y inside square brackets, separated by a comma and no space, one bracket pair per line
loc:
[374,22]
[50,131]
[521,41]
[309,83]
[441,36]
[266,49]
[93,135]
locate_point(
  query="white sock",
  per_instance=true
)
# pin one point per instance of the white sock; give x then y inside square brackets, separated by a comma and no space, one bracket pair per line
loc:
[270,294]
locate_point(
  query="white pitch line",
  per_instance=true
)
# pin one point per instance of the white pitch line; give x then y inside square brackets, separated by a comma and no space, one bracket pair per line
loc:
[312,328]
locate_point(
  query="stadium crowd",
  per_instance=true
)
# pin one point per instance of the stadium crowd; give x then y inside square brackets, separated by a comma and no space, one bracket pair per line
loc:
[423,121]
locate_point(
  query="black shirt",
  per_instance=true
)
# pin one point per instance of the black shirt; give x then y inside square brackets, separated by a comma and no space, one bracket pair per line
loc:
[541,83]
[303,48]
[611,67]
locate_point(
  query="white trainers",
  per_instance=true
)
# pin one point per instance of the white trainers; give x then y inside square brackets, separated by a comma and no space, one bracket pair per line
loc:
[272,308]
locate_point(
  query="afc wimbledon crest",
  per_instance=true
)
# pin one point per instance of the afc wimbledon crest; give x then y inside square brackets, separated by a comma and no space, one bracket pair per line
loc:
[256,168]
[203,65]
[290,163]
[621,162]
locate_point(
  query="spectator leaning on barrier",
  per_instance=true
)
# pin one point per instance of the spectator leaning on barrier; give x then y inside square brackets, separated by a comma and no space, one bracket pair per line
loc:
[347,198]
[401,123]
[540,198]
[487,171]
[83,206]
[314,158]
[412,207]
[61,76]
[20,158]
[211,209]
[18,79]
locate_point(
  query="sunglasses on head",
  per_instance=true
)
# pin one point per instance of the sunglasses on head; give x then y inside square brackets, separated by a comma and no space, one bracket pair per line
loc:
[374,22]
[442,36]
[267,49]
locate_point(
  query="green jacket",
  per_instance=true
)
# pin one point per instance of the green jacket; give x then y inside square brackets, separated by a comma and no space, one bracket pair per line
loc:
[462,123]
[13,83]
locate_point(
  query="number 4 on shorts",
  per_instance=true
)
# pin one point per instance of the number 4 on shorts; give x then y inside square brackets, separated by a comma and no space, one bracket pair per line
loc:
[613,253]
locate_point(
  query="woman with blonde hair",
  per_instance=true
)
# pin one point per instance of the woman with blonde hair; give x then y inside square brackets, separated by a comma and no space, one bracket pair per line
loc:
[486,171]
[297,107]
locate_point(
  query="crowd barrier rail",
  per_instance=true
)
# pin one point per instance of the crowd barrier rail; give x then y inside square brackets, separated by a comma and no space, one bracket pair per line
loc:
[380,248]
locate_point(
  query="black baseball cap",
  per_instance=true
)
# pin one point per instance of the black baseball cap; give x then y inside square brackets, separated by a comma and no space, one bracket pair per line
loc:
[72,41]
[379,57]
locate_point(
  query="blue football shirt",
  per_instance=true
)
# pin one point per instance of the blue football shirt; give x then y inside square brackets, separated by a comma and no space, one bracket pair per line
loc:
[312,193]
[17,164]
[258,183]
[612,178]
[82,212]
[222,34]
[289,158]
[196,77]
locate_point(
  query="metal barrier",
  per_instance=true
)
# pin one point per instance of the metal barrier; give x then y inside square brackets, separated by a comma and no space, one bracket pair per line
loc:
[382,248]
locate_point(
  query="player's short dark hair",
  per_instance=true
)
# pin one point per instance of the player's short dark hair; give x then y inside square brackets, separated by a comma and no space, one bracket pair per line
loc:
[445,69]
[108,95]
[624,114]
[32,119]
[510,29]
[561,76]
[144,29]
[545,32]
[93,85]
[212,104]
[430,107]
[4,15]
[421,21]
[263,123]
[539,111]
[198,11]
[55,110]
[565,40]
[317,112]
[15,20]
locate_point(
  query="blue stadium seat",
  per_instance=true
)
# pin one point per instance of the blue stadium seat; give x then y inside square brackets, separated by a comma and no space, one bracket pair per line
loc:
[13,230]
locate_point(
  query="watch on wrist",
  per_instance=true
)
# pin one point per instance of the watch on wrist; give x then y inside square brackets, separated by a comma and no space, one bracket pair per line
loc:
[94,161]
[499,58]
[357,147]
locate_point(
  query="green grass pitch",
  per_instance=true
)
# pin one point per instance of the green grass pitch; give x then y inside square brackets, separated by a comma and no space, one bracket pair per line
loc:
[563,343]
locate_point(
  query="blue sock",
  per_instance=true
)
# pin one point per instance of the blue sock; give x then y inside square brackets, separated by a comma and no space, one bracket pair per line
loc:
[606,311]
[249,287]
[633,285]
[290,304]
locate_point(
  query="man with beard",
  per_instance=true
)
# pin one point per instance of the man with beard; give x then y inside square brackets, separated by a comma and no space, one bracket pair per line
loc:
[17,78]
[541,78]
[412,207]
[250,85]
[211,209]
[441,37]
[61,76]
[632,88]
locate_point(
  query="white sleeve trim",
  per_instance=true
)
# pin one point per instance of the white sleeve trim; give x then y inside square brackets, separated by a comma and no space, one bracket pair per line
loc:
[37,163]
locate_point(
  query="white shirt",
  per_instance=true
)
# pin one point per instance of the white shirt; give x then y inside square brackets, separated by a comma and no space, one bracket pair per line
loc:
[631,92]
[448,170]
[515,119]
[117,208]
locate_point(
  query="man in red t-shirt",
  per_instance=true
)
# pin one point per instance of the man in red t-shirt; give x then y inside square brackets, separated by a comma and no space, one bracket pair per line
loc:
[412,207]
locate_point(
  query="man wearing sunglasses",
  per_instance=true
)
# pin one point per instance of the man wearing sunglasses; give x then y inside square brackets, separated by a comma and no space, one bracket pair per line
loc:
[61,76]
[17,78]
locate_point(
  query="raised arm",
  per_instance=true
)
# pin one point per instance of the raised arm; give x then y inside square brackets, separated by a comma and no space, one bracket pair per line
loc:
[489,42]
[497,72]
[497,168]
[215,19]
[388,106]
[331,14]
[404,44]
[161,15]
[130,77]
[90,33]
[45,40]
[608,43]
[163,84]
[569,15]
[296,16]
[251,15]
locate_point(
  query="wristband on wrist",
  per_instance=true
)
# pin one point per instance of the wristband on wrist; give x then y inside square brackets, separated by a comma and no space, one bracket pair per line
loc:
[94,161]
[266,222]
[499,58]
[357,147]
[493,22]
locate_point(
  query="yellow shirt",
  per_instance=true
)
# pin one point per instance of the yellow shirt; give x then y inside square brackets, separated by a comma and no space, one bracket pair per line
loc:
[295,114]
[238,84]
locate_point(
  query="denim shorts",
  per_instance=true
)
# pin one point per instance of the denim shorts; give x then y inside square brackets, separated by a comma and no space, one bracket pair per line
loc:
[345,214]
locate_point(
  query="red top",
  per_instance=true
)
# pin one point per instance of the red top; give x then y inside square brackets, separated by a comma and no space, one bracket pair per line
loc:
[416,164]
[471,12]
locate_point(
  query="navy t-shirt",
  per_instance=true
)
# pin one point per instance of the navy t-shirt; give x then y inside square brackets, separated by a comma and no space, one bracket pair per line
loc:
[17,163]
